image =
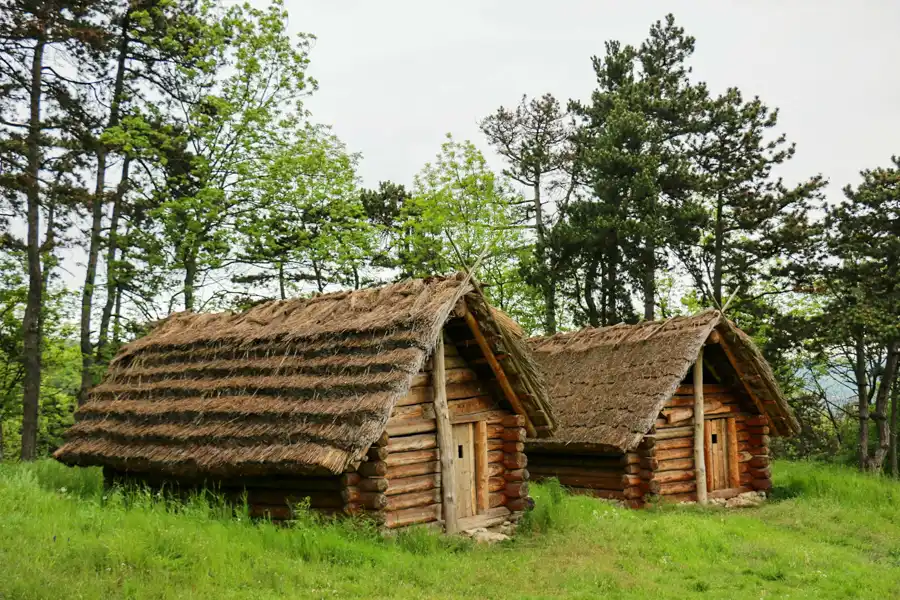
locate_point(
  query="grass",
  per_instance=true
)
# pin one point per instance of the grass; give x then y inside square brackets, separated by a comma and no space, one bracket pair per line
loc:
[827,533]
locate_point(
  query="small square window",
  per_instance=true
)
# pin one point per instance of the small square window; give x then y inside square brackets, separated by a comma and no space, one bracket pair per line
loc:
[715,439]
[459,450]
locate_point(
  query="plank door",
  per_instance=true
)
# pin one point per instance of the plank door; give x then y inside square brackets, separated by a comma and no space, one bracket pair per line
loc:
[464,469]
[717,444]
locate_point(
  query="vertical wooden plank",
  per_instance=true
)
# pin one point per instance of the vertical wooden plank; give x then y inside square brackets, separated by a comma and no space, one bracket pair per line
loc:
[464,467]
[699,432]
[481,466]
[444,439]
[734,473]
[707,453]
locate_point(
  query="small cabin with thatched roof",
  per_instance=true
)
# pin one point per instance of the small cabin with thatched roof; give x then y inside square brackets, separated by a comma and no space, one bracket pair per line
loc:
[678,408]
[409,402]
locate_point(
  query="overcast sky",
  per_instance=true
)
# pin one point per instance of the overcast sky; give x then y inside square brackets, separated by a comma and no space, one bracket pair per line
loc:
[396,75]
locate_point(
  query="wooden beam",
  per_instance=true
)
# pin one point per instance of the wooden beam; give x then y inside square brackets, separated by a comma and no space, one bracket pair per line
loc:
[743,377]
[699,433]
[445,439]
[734,474]
[481,467]
[508,391]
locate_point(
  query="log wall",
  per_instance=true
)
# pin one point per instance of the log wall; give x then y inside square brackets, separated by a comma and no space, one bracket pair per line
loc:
[673,437]
[411,466]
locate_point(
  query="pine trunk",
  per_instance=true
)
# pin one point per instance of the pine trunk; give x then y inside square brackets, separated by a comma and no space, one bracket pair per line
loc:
[111,267]
[87,293]
[862,391]
[590,284]
[895,400]
[650,281]
[880,414]
[31,323]
[190,277]
[719,249]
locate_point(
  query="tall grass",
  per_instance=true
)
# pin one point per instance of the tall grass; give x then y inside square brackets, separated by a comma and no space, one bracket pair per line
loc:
[827,533]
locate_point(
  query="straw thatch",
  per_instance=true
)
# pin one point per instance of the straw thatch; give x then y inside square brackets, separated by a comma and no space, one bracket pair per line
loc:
[608,385]
[294,386]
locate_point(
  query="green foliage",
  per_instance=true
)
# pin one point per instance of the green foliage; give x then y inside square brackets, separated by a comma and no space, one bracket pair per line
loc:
[828,533]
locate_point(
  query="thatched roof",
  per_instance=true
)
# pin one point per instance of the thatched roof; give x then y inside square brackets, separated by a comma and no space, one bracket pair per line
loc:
[303,385]
[608,385]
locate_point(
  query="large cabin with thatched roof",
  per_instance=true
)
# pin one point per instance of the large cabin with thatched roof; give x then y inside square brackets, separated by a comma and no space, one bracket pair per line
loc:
[681,409]
[410,402]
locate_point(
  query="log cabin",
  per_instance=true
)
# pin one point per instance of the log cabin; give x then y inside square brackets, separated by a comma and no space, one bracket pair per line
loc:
[680,409]
[409,403]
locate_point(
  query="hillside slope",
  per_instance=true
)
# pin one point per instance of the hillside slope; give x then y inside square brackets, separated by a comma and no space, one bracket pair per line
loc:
[827,533]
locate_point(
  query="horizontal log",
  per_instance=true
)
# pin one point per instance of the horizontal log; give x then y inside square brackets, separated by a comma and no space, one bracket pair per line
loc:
[677,464]
[676,498]
[495,456]
[382,440]
[517,504]
[632,492]
[681,442]
[412,470]
[756,421]
[488,416]
[515,460]
[517,489]
[454,361]
[678,487]
[761,484]
[604,483]
[488,518]
[630,458]
[376,484]
[496,484]
[632,469]
[415,411]
[513,421]
[471,406]
[276,498]
[674,432]
[397,459]
[376,468]
[757,440]
[743,436]
[455,391]
[764,473]
[759,462]
[496,499]
[411,427]
[516,475]
[671,476]
[755,431]
[510,447]
[350,479]
[497,444]
[408,485]
[495,468]
[377,453]
[588,462]
[575,470]
[411,516]
[663,455]
[452,375]
[495,430]
[744,456]
[630,480]
[757,450]
[514,434]
[402,501]
[372,500]
[406,443]
[276,513]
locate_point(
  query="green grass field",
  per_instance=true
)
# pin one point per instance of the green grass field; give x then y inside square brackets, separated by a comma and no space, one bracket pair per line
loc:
[827,533]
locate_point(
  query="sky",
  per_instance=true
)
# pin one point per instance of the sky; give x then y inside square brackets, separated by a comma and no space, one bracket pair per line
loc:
[396,75]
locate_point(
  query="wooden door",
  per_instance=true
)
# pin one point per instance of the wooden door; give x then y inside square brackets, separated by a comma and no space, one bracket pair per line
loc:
[464,469]
[717,455]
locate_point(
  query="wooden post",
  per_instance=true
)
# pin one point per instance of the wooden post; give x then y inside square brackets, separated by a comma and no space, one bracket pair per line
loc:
[444,438]
[699,432]
[508,391]
[481,467]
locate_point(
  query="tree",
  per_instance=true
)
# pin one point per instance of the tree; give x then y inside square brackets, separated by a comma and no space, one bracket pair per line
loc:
[755,220]
[863,287]
[309,226]
[461,211]
[34,39]
[632,154]
[533,139]
[219,130]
